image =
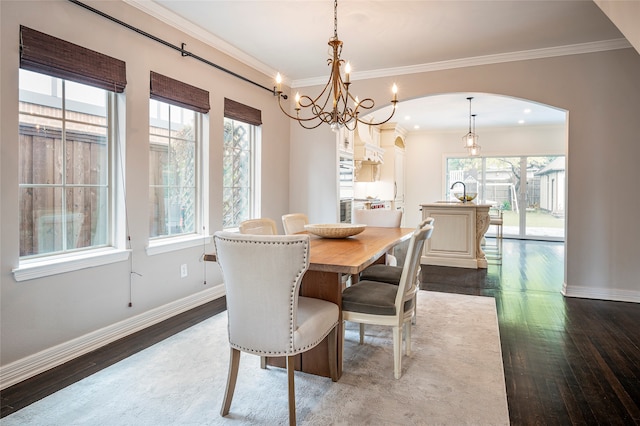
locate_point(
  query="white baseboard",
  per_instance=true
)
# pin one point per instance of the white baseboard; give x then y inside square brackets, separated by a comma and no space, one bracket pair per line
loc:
[612,294]
[31,365]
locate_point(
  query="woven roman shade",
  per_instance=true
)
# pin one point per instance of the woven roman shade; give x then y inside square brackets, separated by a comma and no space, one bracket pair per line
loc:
[58,58]
[241,112]
[175,92]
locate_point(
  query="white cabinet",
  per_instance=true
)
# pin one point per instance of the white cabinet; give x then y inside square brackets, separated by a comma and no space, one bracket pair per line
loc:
[367,153]
[458,230]
[345,141]
[392,173]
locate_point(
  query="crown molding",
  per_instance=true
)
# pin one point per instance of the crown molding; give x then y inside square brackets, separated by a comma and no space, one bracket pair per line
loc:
[573,49]
[155,10]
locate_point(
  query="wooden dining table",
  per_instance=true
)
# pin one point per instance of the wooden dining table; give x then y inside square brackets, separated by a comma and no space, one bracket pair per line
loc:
[331,259]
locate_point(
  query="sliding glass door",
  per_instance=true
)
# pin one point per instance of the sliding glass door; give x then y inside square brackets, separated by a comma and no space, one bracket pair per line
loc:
[530,191]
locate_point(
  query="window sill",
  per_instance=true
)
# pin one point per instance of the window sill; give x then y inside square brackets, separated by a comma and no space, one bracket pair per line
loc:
[166,245]
[53,265]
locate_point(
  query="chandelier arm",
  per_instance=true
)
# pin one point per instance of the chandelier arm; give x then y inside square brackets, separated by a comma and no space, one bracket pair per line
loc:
[393,111]
[337,90]
[297,117]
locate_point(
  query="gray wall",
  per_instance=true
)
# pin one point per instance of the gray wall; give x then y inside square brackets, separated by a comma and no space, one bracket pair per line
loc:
[38,314]
[601,92]
[42,317]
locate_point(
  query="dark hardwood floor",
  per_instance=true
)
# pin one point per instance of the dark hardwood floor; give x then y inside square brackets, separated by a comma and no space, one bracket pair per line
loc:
[566,360]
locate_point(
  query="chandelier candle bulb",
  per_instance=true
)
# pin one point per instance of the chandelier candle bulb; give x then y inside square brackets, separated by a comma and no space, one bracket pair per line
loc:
[279,83]
[312,112]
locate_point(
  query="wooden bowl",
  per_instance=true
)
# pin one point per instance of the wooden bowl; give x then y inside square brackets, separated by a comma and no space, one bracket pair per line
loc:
[334,230]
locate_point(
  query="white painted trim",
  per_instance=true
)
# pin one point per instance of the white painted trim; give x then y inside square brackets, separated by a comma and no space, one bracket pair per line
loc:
[608,294]
[451,262]
[166,245]
[31,365]
[52,265]
[176,21]
[524,55]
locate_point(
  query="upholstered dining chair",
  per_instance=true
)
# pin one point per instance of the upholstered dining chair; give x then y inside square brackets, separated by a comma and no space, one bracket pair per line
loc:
[261,226]
[379,303]
[266,315]
[392,274]
[380,218]
[294,223]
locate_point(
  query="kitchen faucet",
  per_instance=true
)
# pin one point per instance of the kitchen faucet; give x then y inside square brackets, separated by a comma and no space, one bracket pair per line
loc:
[464,190]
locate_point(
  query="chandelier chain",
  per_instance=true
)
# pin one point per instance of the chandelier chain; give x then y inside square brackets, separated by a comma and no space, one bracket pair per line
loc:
[335,19]
[340,108]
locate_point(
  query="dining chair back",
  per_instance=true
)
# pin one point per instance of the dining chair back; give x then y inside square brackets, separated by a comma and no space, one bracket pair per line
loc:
[379,303]
[294,223]
[261,226]
[266,316]
[392,274]
[378,217]
[381,218]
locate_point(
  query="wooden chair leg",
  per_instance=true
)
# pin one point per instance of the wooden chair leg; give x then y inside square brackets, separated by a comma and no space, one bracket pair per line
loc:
[397,351]
[292,390]
[234,363]
[263,362]
[361,333]
[332,353]
[407,337]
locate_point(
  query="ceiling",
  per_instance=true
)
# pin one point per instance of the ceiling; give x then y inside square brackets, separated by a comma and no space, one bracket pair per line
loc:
[394,37]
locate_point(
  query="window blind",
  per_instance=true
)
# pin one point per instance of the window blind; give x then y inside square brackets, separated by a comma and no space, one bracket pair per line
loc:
[49,55]
[241,112]
[175,92]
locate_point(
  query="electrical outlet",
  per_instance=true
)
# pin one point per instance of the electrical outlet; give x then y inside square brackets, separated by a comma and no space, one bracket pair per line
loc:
[183,270]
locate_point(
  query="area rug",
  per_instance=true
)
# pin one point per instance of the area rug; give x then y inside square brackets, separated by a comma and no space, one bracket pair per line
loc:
[454,376]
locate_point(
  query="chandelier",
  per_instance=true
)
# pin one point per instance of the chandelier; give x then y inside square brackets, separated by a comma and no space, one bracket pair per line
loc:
[470,140]
[335,105]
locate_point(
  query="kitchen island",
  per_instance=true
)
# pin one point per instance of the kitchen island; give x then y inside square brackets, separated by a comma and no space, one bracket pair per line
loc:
[457,235]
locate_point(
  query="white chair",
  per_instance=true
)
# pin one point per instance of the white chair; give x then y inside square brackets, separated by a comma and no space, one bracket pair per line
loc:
[262,226]
[380,218]
[392,274]
[372,302]
[496,219]
[266,315]
[294,223]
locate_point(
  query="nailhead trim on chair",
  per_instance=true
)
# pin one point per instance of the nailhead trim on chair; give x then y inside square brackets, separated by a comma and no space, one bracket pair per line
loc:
[291,308]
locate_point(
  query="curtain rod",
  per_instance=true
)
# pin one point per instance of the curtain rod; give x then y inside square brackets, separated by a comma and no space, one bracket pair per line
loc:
[172,46]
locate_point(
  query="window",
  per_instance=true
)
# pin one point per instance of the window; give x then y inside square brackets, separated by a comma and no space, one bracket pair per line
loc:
[174,159]
[177,172]
[65,170]
[71,211]
[241,159]
[530,191]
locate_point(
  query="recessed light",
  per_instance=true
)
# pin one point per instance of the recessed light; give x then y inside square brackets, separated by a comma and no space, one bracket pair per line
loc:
[416,127]
[520,121]
[527,111]
[407,117]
